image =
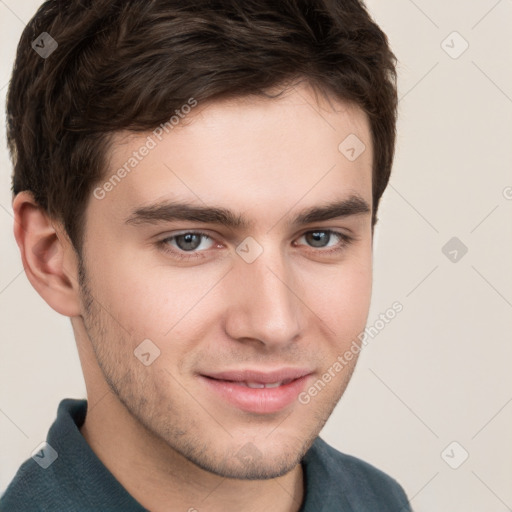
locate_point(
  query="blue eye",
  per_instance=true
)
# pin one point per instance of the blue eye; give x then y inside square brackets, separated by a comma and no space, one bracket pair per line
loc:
[192,242]
[319,239]
[188,241]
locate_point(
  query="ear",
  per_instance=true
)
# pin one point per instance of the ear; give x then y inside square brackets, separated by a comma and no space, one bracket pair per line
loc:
[49,259]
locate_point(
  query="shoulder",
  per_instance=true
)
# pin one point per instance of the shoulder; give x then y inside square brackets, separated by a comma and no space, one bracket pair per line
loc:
[27,491]
[47,485]
[345,477]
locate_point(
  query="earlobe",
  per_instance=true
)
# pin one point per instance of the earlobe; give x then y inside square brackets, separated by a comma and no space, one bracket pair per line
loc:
[48,257]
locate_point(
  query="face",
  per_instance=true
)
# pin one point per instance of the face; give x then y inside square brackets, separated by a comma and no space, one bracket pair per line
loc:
[215,321]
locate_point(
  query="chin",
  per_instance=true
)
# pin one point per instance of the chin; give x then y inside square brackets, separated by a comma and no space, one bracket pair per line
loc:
[246,468]
[252,461]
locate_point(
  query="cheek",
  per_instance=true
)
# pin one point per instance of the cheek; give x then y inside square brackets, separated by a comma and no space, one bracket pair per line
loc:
[152,300]
[341,298]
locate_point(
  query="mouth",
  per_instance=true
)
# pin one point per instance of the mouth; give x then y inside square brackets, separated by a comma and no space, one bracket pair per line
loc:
[255,391]
[260,385]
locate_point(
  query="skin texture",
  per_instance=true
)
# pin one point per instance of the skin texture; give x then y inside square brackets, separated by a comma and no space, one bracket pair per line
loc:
[170,441]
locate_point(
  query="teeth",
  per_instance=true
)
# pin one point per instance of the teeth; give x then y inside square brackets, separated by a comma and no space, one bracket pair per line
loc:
[254,385]
[259,385]
[273,385]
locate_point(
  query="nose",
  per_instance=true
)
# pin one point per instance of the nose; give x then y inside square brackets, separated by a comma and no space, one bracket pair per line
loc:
[264,302]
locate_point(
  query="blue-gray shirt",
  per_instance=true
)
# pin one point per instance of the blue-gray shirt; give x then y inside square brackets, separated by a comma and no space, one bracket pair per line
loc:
[77,481]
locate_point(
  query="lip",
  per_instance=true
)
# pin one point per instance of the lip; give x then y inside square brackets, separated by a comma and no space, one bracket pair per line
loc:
[226,385]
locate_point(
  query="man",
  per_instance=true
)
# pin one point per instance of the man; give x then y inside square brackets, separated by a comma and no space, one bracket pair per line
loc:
[196,185]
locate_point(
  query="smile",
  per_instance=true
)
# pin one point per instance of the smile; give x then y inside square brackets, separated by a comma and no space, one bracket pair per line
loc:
[261,385]
[257,392]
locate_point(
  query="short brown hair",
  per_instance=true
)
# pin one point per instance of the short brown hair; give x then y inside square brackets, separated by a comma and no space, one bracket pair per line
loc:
[129,64]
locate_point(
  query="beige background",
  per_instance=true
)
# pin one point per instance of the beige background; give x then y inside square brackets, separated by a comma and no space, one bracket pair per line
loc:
[440,371]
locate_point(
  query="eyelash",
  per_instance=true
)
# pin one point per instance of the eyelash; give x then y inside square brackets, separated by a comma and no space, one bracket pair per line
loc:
[345,240]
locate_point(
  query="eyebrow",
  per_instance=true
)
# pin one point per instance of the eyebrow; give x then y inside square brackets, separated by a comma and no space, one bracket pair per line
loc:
[169,211]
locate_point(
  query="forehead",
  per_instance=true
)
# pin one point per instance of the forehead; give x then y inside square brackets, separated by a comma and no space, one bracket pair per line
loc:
[246,152]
